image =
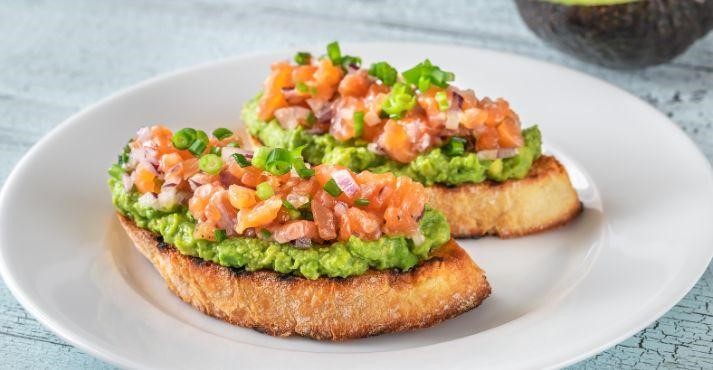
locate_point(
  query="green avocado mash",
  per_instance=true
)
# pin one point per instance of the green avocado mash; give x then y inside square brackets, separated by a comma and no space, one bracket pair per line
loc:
[430,168]
[341,259]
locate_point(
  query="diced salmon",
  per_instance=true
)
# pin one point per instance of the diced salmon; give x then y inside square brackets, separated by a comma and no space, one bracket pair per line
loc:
[327,77]
[260,215]
[405,207]
[355,84]
[273,98]
[487,139]
[376,188]
[241,197]
[340,211]
[322,205]
[199,200]
[510,135]
[204,230]
[294,230]
[365,225]
[145,179]
[396,142]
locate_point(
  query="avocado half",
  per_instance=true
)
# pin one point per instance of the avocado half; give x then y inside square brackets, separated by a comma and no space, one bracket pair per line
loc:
[621,34]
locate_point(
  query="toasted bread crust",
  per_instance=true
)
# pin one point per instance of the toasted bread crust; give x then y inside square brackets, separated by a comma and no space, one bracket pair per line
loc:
[444,286]
[542,200]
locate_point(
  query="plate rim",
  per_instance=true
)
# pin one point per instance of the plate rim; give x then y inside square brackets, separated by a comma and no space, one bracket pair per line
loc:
[108,355]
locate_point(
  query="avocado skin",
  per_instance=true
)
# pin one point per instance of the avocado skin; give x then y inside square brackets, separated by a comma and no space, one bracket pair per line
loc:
[624,36]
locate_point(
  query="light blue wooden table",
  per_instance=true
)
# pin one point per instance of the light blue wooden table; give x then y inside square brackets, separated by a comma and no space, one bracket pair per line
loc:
[57,57]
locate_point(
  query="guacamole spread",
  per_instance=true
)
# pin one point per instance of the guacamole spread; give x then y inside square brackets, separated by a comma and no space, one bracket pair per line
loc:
[341,259]
[430,168]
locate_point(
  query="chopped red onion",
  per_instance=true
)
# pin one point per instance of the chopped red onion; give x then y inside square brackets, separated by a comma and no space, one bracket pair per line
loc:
[346,182]
[375,148]
[452,120]
[291,117]
[127,181]
[143,134]
[297,200]
[227,178]
[322,109]
[148,200]
[490,154]
[226,153]
[418,238]
[199,179]
[168,197]
[371,118]
[456,101]
[507,152]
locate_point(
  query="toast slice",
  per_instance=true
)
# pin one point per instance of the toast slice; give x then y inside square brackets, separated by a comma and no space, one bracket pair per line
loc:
[446,285]
[544,199]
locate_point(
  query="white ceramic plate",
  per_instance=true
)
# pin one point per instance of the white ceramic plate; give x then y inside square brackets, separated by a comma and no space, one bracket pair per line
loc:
[642,242]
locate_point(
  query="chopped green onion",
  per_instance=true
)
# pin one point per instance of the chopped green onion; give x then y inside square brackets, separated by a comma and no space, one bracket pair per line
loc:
[299,164]
[424,74]
[332,188]
[221,133]
[305,172]
[210,163]
[220,235]
[265,233]
[288,205]
[358,124]
[362,202]
[384,72]
[307,215]
[260,157]
[116,171]
[264,191]
[400,100]
[215,150]
[455,146]
[424,83]
[183,138]
[442,100]
[241,160]
[278,161]
[199,144]
[311,119]
[233,144]
[291,210]
[334,53]
[302,87]
[349,60]
[303,58]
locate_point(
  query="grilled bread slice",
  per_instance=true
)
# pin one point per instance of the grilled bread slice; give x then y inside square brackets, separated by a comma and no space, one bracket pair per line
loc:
[542,200]
[446,285]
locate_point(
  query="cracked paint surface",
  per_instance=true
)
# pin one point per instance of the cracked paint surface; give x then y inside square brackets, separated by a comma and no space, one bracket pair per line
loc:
[60,56]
